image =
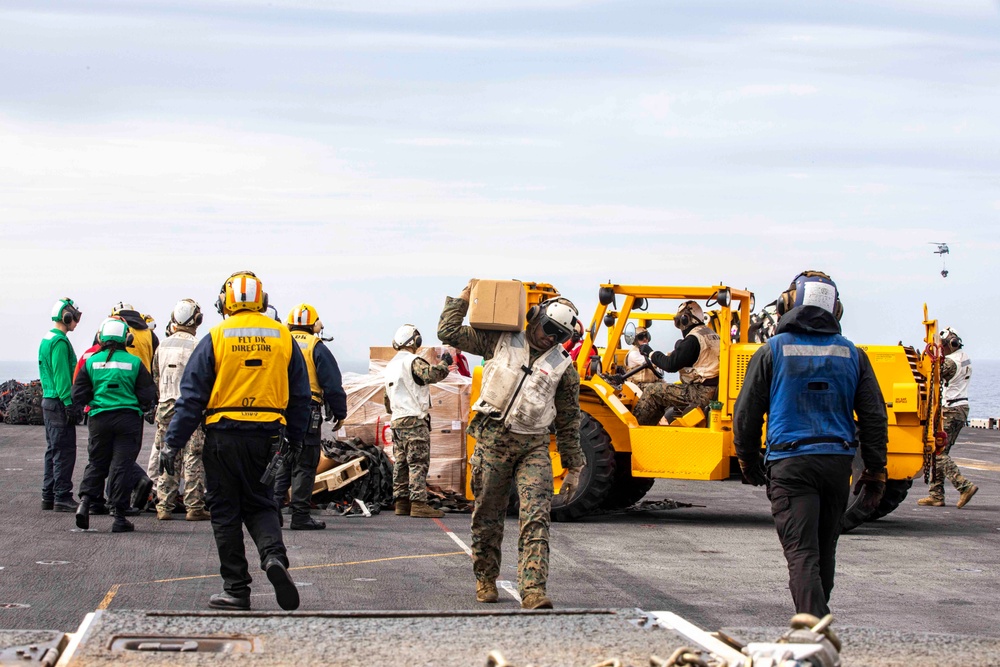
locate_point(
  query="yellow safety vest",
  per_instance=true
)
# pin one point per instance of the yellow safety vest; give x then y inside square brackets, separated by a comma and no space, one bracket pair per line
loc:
[307,343]
[252,353]
[142,346]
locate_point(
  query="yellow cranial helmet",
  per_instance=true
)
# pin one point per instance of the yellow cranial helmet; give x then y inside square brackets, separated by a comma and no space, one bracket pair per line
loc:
[241,291]
[304,315]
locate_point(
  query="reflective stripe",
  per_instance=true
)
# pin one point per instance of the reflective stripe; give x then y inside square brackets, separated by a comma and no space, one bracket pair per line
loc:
[303,345]
[50,336]
[816,351]
[109,365]
[243,332]
[967,362]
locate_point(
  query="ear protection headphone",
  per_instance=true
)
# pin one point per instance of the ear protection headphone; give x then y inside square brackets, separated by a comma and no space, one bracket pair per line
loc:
[684,318]
[786,300]
[68,313]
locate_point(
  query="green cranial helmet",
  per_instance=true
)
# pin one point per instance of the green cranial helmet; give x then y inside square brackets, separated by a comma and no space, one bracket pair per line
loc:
[113,330]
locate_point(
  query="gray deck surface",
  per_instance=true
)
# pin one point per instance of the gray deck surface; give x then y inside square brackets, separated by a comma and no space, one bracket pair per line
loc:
[919,570]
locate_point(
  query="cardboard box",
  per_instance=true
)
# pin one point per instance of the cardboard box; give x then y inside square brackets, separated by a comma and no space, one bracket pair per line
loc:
[448,474]
[498,305]
[447,440]
[431,354]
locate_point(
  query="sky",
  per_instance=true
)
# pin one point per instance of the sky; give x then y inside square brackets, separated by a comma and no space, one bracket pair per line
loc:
[370,157]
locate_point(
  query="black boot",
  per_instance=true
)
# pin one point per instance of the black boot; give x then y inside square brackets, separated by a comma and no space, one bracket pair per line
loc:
[226,601]
[284,588]
[99,509]
[142,492]
[307,523]
[83,513]
[121,524]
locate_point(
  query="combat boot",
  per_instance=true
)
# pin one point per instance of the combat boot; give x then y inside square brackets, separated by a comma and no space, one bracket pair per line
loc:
[197,515]
[164,515]
[83,513]
[966,496]
[403,507]
[424,511]
[122,525]
[931,501]
[226,601]
[284,588]
[486,591]
[536,600]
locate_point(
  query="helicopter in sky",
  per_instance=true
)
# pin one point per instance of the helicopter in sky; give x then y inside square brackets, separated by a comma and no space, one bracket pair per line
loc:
[942,250]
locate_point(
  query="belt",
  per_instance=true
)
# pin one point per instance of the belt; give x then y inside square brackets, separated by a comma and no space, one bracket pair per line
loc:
[815,440]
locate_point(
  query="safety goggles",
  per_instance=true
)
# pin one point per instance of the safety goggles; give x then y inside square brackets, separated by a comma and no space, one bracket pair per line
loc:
[555,330]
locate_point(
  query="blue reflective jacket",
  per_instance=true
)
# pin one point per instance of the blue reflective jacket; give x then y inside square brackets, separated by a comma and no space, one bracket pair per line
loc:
[812,396]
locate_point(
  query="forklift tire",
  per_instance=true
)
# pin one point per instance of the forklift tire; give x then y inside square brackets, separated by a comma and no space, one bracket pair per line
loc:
[597,478]
[626,490]
[895,493]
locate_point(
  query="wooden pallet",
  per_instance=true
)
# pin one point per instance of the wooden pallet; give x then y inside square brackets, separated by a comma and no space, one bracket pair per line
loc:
[340,476]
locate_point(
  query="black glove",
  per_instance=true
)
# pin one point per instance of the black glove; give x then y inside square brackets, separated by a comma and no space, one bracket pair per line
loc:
[74,414]
[645,349]
[168,460]
[294,451]
[873,484]
[753,472]
[150,415]
[447,358]
[329,412]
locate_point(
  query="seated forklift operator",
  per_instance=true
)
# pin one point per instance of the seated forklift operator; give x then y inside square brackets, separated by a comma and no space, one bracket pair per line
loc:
[695,358]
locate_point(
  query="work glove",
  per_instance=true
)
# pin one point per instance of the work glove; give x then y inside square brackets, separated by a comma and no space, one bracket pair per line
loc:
[645,349]
[337,423]
[466,293]
[294,451]
[753,472]
[873,483]
[168,460]
[150,415]
[447,358]
[74,414]
[571,482]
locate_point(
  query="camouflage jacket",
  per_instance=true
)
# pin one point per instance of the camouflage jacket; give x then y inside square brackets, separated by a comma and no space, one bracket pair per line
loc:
[481,342]
[424,373]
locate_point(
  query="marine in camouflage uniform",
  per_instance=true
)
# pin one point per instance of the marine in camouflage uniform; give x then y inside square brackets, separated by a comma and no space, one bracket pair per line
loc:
[169,362]
[411,441]
[502,458]
[954,418]
[695,358]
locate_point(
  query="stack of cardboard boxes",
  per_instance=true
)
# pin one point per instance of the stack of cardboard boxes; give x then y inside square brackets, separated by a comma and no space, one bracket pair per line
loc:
[368,420]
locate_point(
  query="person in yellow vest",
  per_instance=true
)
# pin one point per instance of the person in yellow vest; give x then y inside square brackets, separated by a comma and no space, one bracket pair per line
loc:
[249,385]
[326,387]
[142,341]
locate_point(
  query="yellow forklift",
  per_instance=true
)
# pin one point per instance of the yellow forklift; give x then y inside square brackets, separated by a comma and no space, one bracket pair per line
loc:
[624,458]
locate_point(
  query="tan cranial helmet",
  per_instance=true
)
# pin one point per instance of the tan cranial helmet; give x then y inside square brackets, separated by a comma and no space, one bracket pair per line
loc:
[689,313]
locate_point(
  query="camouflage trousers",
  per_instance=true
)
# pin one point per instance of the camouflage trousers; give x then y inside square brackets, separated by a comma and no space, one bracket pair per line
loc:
[411,447]
[193,471]
[499,460]
[954,419]
[656,398]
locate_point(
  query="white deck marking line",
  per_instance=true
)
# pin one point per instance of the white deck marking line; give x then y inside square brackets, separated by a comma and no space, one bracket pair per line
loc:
[976,465]
[504,585]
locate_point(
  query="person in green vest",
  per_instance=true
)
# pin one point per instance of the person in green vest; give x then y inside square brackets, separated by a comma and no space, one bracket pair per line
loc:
[56,361]
[118,389]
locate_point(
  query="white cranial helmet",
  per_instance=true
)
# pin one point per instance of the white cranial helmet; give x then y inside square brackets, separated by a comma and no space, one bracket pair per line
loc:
[187,313]
[558,320]
[406,336]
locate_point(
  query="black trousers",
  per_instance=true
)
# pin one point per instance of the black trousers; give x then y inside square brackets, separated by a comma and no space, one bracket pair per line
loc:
[115,441]
[808,497]
[301,478]
[60,452]
[234,462]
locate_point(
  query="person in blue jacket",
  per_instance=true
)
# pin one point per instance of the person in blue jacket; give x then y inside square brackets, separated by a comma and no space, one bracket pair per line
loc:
[810,381]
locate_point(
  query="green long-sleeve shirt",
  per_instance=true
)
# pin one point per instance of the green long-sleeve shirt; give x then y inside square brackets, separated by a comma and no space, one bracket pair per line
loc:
[56,362]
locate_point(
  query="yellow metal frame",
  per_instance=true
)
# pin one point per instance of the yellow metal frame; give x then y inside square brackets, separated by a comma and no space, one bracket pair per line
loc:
[707,452]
